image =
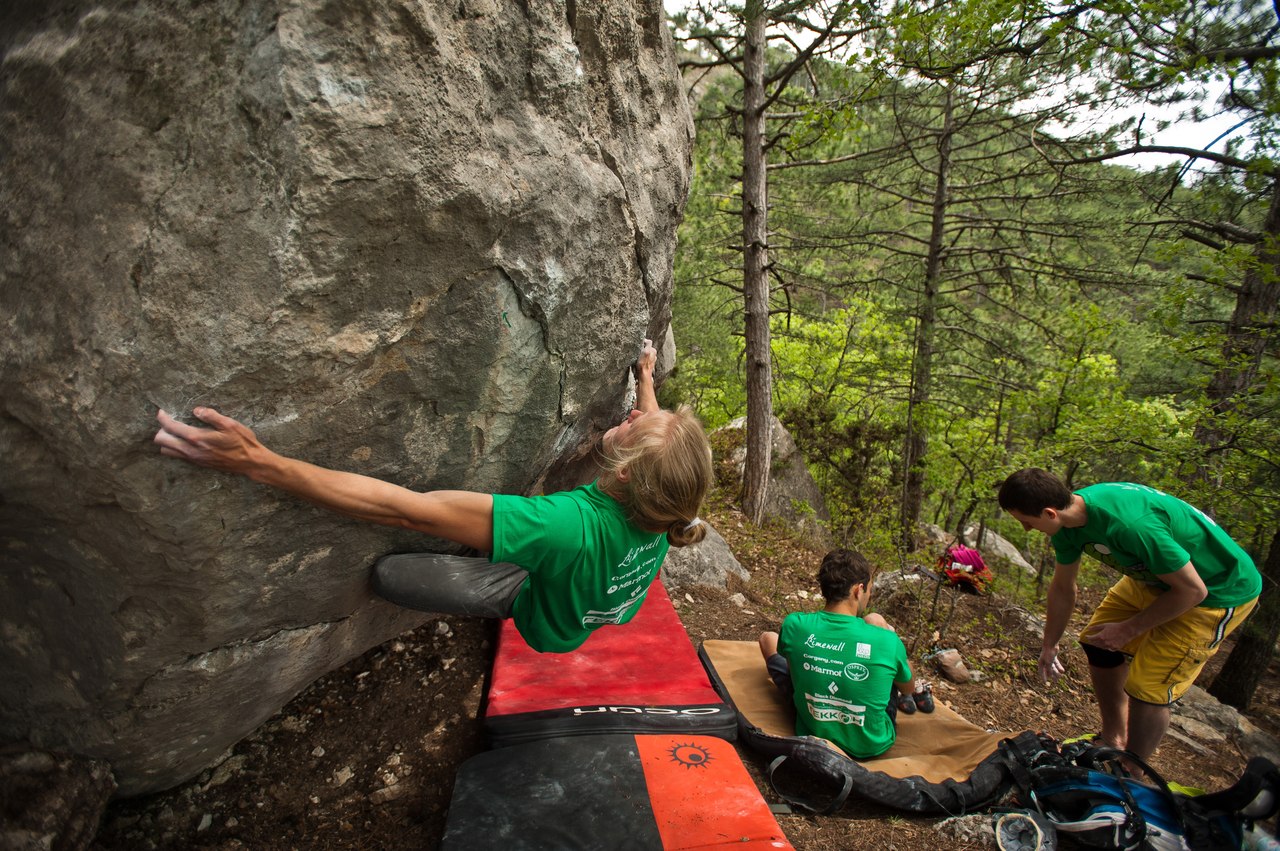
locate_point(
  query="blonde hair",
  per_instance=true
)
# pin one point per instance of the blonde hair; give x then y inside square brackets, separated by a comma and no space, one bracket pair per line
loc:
[667,464]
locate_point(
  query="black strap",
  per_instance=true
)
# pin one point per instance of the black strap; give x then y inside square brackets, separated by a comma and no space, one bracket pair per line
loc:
[1021,754]
[810,804]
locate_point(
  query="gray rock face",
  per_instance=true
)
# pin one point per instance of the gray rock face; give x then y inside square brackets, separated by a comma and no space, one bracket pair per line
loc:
[708,563]
[421,241]
[1198,709]
[51,800]
[793,496]
[1000,547]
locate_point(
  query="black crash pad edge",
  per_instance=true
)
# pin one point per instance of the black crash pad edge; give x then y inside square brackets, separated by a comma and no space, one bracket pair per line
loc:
[708,719]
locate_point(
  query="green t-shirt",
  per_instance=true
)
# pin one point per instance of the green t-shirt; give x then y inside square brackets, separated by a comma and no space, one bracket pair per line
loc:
[588,565]
[843,670]
[1144,533]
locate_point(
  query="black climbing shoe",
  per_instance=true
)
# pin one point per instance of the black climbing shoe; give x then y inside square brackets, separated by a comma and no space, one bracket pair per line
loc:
[924,698]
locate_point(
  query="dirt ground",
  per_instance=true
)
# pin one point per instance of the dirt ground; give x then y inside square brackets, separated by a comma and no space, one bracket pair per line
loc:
[365,758]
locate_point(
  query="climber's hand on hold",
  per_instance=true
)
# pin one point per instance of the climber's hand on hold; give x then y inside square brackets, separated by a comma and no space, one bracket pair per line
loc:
[646,396]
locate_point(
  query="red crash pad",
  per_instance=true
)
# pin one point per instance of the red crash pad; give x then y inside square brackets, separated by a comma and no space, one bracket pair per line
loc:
[641,677]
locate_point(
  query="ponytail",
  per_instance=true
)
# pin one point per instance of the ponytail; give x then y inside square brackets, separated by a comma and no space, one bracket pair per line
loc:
[682,534]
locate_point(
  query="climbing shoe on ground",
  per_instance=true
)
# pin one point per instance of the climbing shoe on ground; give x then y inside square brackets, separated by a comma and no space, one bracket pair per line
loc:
[1024,831]
[923,698]
[906,703]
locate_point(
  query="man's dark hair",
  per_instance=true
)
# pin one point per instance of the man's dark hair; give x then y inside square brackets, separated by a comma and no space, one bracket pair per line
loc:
[1032,490]
[840,571]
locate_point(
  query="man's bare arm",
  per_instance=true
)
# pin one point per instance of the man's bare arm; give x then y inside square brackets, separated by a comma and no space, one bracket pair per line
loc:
[646,396]
[461,516]
[1186,591]
[1060,604]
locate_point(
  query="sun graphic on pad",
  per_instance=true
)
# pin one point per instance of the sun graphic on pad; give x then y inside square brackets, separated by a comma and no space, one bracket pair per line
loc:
[691,755]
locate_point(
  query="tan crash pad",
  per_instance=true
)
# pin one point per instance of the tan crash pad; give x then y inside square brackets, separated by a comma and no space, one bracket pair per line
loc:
[939,746]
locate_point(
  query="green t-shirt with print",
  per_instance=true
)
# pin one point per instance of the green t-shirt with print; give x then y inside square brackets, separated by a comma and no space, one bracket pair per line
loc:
[1144,533]
[588,565]
[843,670]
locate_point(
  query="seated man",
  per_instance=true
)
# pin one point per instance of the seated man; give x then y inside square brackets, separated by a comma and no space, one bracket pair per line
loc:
[844,663]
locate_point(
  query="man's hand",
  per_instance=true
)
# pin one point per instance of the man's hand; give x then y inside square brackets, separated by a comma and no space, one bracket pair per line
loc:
[648,359]
[1050,665]
[227,446]
[1110,636]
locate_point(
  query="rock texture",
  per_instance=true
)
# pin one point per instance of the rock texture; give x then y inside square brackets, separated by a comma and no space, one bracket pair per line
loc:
[1204,718]
[709,563]
[793,496]
[999,547]
[417,240]
[49,800]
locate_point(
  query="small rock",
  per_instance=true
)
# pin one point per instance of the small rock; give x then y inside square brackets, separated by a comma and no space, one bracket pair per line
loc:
[444,629]
[318,751]
[967,830]
[229,768]
[951,665]
[206,821]
[390,793]
[293,724]
[342,775]
[397,647]
[232,821]
[738,600]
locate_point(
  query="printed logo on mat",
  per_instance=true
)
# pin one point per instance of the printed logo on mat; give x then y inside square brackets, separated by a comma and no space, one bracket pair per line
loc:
[691,755]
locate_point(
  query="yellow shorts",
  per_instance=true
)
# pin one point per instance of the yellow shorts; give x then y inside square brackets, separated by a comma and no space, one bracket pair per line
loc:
[1166,660]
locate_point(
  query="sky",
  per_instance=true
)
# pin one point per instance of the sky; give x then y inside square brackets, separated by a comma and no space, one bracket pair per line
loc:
[1200,135]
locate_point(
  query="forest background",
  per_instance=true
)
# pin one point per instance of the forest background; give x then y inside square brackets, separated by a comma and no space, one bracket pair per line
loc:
[917,235]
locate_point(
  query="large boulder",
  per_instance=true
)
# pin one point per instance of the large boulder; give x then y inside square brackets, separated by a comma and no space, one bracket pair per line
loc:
[421,241]
[709,563]
[999,547]
[793,497]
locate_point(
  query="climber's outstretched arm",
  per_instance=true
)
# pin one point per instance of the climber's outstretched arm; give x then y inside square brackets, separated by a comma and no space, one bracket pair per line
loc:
[461,516]
[646,397]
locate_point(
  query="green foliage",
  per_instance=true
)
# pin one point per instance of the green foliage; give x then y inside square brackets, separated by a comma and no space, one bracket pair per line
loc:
[1071,325]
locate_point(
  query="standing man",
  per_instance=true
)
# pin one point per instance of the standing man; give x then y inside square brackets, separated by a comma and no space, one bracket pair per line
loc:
[841,666]
[1185,587]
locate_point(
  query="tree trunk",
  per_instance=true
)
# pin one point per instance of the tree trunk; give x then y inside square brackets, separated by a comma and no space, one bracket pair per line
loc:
[916,442]
[1257,303]
[755,273]
[1256,642]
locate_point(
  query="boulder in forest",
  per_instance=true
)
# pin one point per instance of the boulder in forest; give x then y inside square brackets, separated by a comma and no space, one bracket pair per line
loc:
[419,241]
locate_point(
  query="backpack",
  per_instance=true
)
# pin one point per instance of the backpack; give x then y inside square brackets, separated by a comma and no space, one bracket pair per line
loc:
[1085,793]
[964,569]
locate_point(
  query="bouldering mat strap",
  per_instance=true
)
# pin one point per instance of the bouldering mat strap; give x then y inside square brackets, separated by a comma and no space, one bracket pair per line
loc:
[809,804]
